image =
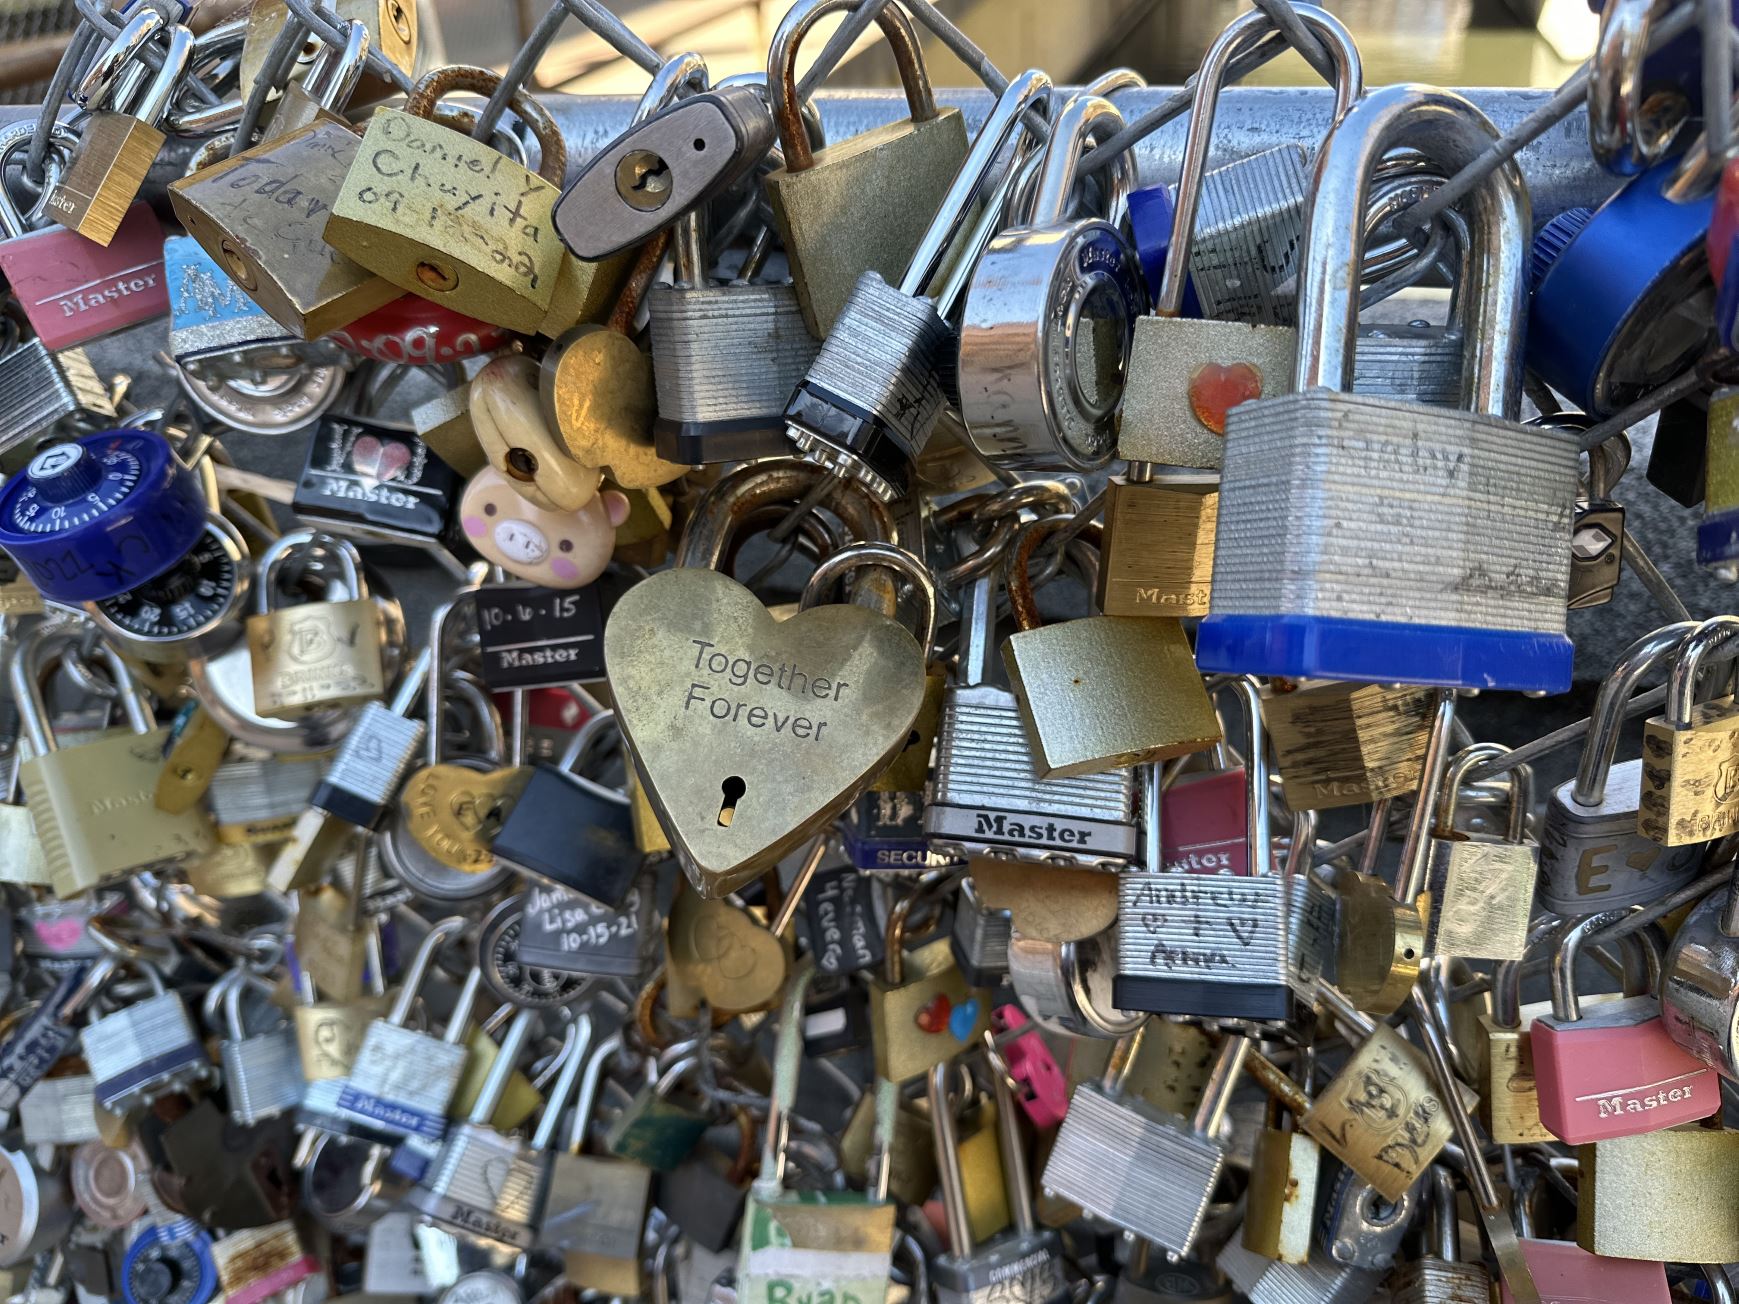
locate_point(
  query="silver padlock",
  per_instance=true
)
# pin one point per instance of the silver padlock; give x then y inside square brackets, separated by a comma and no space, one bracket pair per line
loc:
[145,1049]
[262,1075]
[38,391]
[1148,1172]
[1591,856]
[1421,581]
[1361,1228]
[483,1186]
[60,1111]
[1320,1281]
[985,799]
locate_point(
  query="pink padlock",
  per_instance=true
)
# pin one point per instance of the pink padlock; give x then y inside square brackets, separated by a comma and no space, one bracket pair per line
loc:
[73,289]
[416,332]
[1565,1273]
[1206,820]
[1614,1071]
[563,550]
[1044,1091]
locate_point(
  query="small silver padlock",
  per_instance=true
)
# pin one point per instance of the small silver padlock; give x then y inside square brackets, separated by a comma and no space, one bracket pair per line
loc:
[145,1049]
[262,1075]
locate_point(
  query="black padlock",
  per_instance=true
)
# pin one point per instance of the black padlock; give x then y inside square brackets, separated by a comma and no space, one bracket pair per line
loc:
[843,931]
[217,1172]
[536,637]
[378,484]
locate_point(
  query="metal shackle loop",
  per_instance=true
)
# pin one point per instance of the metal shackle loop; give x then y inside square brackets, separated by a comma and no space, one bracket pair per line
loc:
[1452,133]
[1711,640]
[859,555]
[1240,36]
[902,38]
[552,163]
[1083,118]
[1635,662]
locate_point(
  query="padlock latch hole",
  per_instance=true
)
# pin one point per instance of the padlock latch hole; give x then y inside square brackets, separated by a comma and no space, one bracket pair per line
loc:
[733,789]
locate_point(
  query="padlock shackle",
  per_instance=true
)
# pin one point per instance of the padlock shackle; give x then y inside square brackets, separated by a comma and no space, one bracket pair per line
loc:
[1443,1231]
[434,85]
[34,652]
[874,554]
[1027,91]
[1713,640]
[1607,717]
[1223,1079]
[103,78]
[572,1057]
[154,101]
[406,999]
[1416,849]
[1623,136]
[607,1050]
[1240,36]
[1506,980]
[1449,792]
[291,545]
[787,1066]
[902,39]
[1083,118]
[945,1136]
[463,1004]
[332,78]
[501,1068]
[1567,945]
[1257,835]
[1452,132]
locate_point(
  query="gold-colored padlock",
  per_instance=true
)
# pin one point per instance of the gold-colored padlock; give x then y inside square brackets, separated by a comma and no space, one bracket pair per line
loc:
[117,146]
[448,217]
[1690,752]
[391,26]
[861,205]
[1158,556]
[262,216]
[1347,744]
[316,655]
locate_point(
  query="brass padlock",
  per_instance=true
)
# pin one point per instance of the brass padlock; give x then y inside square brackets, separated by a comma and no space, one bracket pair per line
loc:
[117,146]
[861,205]
[261,216]
[1690,752]
[391,26]
[1347,744]
[94,806]
[1158,554]
[1072,680]
[450,218]
[316,655]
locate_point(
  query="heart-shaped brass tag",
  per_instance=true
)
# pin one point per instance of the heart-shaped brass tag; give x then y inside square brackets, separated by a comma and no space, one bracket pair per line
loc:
[751,734]
[454,813]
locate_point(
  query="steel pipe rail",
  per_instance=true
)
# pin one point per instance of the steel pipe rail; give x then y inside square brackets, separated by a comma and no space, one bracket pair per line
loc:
[1559,170]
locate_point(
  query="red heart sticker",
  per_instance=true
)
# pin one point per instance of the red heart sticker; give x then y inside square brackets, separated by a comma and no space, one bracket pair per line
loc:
[376,461]
[933,1017]
[1216,389]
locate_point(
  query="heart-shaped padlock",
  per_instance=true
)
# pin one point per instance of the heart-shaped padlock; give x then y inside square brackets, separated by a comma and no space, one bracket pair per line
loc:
[751,734]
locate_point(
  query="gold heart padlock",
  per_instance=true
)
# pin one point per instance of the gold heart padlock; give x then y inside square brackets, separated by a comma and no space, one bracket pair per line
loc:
[752,734]
[454,812]
[726,954]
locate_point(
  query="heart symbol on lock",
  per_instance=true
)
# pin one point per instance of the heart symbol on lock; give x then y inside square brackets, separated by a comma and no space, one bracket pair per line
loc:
[934,1017]
[752,734]
[963,1019]
[1216,388]
[379,461]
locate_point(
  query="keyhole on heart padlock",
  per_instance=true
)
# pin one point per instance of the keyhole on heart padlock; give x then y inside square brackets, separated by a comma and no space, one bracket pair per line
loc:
[733,789]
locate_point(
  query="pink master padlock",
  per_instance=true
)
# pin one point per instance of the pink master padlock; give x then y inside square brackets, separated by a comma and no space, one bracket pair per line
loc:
[1043,1091]
[1613,1071]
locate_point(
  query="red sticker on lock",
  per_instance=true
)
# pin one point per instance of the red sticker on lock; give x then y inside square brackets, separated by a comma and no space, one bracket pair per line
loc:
[418,333]
[1216,388]
[933,1018]
[73,289]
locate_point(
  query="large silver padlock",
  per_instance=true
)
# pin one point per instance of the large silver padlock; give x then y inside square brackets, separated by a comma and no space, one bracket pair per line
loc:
[262,1074]
[1382,559]
[144,1049]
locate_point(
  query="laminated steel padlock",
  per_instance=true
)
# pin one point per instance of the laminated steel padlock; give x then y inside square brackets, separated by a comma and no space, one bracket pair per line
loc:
[863,204]
[314,655]
[1482,888]
[807,1241]
[1026,1262]
[1070,679]
[1441,1274]
[1612,1070]
[1047,320]
[1220,945]
[117,146]
[1186,375]
[986,797]
[262,1074]
[1150,1173]
[1394,600]
[144,1049]
[94,806]
[469,228]
[261,216]
[869,402]
[1690,752]
[1592,857]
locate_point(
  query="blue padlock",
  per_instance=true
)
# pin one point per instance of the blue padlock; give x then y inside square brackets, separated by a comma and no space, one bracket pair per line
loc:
[1622,300]
[101,515]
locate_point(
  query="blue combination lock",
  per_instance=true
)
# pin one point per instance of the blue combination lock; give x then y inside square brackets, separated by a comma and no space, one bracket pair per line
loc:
[169,1263]
[104,514]
[1622,297]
